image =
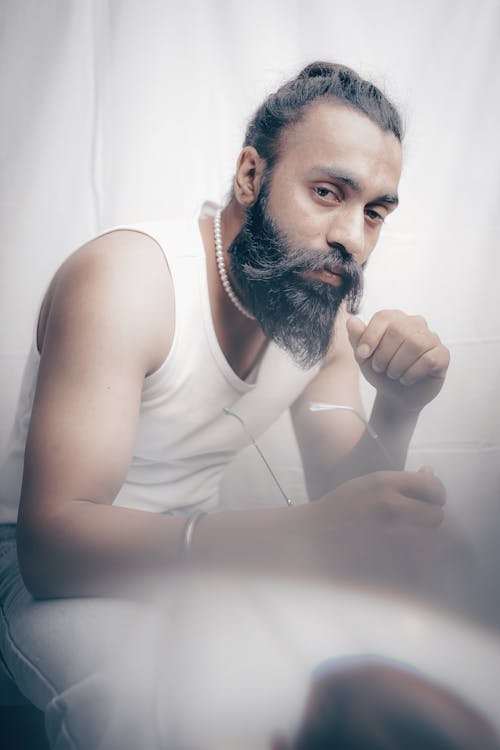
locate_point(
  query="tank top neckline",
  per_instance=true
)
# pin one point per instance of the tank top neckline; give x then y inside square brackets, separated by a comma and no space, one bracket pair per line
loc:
[242,385]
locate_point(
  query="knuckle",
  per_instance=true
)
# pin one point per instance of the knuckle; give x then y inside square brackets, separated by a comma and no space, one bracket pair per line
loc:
[383,315]
[431,361]
[415,341]
[393,371]
[393,330]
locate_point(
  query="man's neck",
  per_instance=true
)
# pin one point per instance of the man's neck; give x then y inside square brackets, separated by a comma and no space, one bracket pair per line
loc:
[242,341]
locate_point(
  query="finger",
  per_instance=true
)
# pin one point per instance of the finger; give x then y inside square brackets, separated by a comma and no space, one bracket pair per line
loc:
[376,330]
[414,345]
[388,348]
[397,509]
[355,328]
[432,363]
[405,339]
[414,513]
[422,486]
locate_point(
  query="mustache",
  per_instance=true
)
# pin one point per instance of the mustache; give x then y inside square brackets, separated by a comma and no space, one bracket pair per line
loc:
[296,261]
[304,259]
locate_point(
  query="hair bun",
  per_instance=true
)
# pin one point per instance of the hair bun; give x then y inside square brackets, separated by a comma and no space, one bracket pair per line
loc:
[318,70]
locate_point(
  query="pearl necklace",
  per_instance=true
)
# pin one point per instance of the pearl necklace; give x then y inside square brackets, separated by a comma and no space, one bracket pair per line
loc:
[221,265]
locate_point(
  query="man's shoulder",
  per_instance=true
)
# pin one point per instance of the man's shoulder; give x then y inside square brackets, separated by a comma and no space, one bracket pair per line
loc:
[119,258]
[119,279]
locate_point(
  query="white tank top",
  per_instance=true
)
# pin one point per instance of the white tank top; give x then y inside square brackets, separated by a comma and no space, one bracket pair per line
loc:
[184,440]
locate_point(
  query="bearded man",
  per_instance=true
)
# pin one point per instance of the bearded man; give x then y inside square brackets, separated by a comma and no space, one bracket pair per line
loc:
[149,335]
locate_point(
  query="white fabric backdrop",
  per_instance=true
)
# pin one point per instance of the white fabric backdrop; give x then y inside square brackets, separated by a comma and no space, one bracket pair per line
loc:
[124,110]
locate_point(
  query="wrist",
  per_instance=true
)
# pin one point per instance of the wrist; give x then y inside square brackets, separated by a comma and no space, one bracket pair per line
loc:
[394,426]
[389,419]
[394,409]
[248,539]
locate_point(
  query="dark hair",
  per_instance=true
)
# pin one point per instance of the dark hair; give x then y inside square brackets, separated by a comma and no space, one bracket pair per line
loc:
[319,79]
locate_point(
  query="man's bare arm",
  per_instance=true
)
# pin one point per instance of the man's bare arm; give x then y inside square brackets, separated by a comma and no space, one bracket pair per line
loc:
[335,446]
[103,328]
[107,324]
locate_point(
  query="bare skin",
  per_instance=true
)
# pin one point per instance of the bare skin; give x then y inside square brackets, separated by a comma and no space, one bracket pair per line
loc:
[108,321]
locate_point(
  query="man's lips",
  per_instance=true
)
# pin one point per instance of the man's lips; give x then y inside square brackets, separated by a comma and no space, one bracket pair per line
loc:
[334,276]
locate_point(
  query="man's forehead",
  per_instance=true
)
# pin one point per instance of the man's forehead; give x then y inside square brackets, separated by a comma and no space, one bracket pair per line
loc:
[329,118]
[337,138]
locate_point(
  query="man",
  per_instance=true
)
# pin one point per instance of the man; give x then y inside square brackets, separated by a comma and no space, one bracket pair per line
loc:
[136,360]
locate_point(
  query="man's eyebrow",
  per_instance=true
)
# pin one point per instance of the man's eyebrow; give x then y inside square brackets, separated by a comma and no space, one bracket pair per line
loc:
[390,198]
[340,176]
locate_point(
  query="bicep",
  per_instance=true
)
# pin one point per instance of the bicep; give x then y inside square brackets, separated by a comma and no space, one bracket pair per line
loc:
[81,434]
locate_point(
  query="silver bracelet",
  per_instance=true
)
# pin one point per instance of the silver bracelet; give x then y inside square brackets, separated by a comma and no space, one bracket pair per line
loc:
[187,537]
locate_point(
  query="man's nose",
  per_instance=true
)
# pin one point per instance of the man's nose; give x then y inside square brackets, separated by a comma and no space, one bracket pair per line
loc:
[347,228]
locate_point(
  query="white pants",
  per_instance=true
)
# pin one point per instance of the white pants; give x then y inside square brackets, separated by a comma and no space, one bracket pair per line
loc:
[90,664]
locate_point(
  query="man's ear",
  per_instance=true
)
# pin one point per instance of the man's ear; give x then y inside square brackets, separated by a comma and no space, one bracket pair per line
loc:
[250,169]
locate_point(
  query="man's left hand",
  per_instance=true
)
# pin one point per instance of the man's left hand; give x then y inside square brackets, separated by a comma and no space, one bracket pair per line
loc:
[400,357]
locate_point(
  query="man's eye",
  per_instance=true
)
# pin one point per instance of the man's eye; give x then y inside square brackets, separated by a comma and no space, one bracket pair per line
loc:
[374,215]
[325,192]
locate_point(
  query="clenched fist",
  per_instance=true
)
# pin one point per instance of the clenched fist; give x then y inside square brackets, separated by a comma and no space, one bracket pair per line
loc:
[400,357]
